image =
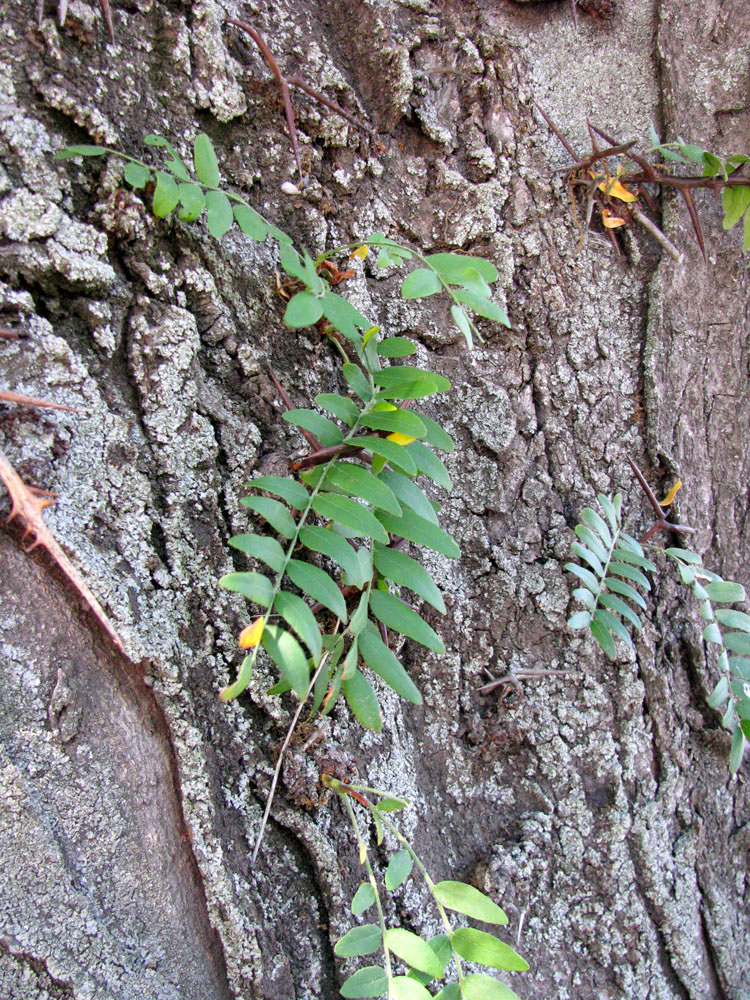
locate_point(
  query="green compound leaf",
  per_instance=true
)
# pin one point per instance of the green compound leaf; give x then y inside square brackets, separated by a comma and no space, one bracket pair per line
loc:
[604,637]
[581,619]
[192,201]
[627,555]
[352,515]
[252,224]
[485,949]
[206,164]
[260,547]
[584,575]
[70,151]
[614,625]
[274,512]
[735,202]
[324,429]
[455,268]
[585,596]
[174,161]
[725,592]
[318,585]
[303,310]
[219,215]
[289,657]
[430,465]
[629,573]
[420,283]
[394,614]
[405,382]
[357,382]
[469,900]
[363,898]
[137,174]
[383,662]
[358,482]
[395,422]
[390,804]
[361,699]
[396,347]
[592,542]
[589,557]
[481,987]
[738,642]
[254,586]
[413,950]
[395,454]
[407,572]
[362,940]
[450,991]
[625,590]
[166,194]
[368,982]
[733,619]
[738,749]
[462,322]
[613,603]
[290,490]
[420,531]
[685,555]
[322,540]
[407,988]
[441,945]
[409,494]
[298,616]
[341,407]
[719,694]
[398,870]
[611,511]
[435,435]
[482,306]
[344,316]
[595,521]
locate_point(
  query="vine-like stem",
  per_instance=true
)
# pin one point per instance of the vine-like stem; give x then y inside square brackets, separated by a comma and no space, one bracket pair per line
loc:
[248,665]
[279,762]
[417,256]
[430,885]
[371,876]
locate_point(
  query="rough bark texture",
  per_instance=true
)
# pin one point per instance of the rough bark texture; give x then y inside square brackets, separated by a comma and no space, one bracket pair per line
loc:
[596,808]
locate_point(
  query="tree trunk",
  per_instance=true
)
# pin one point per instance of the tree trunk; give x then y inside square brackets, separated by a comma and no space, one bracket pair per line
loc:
[593,802]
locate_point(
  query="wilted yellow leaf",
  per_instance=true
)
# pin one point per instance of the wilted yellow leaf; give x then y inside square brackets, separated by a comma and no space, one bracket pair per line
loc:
[611,221]
[360,253]
[362,853]
[250,635]
[617,190]
[671,495]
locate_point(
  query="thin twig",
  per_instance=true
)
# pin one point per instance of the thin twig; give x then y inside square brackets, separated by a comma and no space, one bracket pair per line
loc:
[295,81]
[17,397]
[657,234]
[512,677]
[285,744]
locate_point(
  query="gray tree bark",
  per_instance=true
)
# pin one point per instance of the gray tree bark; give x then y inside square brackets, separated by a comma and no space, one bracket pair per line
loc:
[595,807]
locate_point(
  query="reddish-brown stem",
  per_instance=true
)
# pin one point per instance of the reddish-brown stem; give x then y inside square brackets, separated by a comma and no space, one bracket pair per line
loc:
[280,79]
[17,397]
[308,436]
[661,524]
